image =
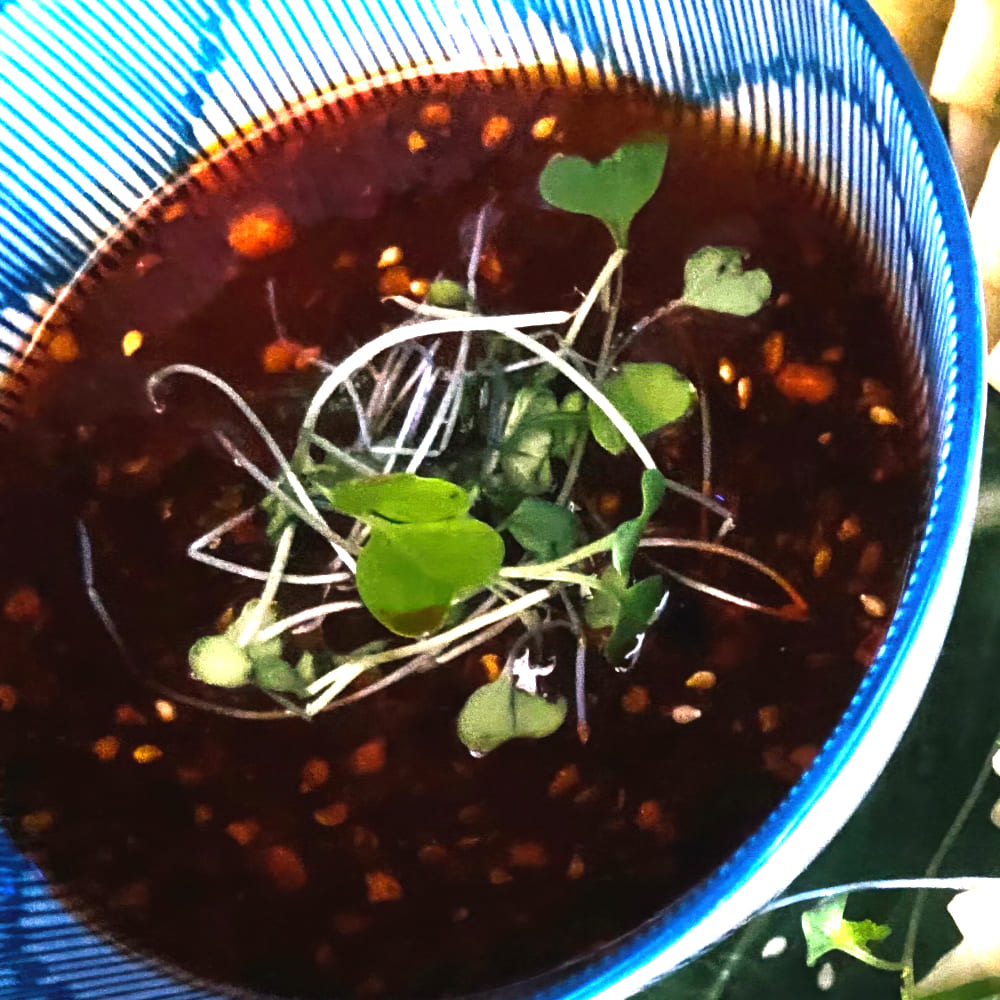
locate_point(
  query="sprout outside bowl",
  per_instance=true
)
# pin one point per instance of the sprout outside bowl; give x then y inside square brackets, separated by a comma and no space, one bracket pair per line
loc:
[105,101]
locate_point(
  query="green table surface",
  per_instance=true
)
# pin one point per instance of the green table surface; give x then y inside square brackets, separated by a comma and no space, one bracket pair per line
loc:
[902,821]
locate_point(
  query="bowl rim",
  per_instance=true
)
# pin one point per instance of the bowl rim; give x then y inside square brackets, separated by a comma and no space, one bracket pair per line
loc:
[854,755]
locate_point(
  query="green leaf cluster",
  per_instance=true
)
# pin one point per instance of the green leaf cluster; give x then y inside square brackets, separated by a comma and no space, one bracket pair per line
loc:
[221,661]
[424,550]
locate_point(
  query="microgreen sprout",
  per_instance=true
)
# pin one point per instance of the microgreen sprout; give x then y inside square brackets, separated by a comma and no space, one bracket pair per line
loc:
[448,508]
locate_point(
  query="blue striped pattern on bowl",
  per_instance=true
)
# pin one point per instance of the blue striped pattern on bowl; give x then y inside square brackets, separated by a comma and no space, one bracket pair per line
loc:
[106,101]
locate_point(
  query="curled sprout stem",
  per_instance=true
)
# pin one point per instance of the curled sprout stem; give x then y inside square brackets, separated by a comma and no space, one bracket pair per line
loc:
[196,551]
[797,609]
[306,615]
[467,627]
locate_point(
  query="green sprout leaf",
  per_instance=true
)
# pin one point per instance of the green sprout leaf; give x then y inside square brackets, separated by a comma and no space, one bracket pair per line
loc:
[640,606]
[256,650]
[544,529]
[499,711]
[648,395]
[527,443]
[448,294]
[627,611]
[567,431]
[612,190]
[409,574]
[218,660]
[401,496]
[714,279]
[274,674]
[603,608]
[826,930]
[628,533]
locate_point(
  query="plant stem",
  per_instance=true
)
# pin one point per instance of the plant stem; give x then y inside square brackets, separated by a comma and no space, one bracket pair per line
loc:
[882,964]
[541,571]
[947,842]
[434,642]
[506,326]
[610,266]
[413,331]
[798,608]
[154,381]
[281,552]
[306,615]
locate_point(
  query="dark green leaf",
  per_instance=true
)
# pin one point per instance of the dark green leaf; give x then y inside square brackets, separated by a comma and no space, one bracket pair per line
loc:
[826,930]
[524,456]
[647,394]
[544,529]
[714,279]
[568,430]
[628,533]
[640,606]
[274,674]
[400,496]
[612,190]
[218,660]
[499,711]
[603,608]
[409,574]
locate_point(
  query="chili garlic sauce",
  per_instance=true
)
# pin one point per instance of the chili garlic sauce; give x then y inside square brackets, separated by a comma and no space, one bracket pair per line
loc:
[367,853]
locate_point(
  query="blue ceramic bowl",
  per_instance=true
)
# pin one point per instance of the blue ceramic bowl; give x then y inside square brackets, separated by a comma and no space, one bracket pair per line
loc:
[105,100]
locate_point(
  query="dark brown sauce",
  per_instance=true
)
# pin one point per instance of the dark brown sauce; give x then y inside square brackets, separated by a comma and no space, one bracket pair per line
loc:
[503,866]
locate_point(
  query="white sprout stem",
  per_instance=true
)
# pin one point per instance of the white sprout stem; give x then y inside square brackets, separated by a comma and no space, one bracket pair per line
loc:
[195,551]
[153,382]
[312,519]
[611,265]
[341,455]
[532,571]
[424,309]
[714,548]
[272,303]
[281,553]
[96,601]
[428,645]
[414,412]
[260,575]
[456,409]
[452,395]
[359,410]
[414,376]
[307,615]
[385,378]
[464,647]
[477,251]
[435,327]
